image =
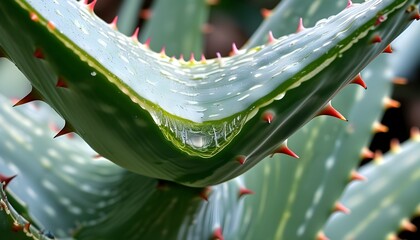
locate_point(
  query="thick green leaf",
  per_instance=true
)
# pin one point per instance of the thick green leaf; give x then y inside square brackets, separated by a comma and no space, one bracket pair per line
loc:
[380,205]
[104,109]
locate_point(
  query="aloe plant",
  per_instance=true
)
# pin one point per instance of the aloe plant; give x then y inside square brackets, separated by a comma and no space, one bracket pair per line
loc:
[198,123]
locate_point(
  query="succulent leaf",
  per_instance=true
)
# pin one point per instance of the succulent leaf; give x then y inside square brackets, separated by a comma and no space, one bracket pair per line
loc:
[380,205]
[116,107]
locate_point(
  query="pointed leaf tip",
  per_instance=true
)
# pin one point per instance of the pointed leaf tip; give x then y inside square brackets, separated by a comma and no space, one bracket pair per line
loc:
[331,111]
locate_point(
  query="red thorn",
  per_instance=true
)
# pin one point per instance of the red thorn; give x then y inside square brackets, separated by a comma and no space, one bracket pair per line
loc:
[145,14]
[284,149]
[26,228]
[415,134]
[39,54]
[235,50]
[355,176]
[400,81]
[205,193]
[268,117]
[376,39]
[16,227]
[391,103]
[51,26]
[395,145]
[192,58]
[61,83]
[135,35]
[378,157]
[241,159]
[366,153]
[33,17]
[147,43]
[380,19]
[32,96]
[97,156]
[266,13]
[65,130]
[181,58]
[349,3]
[219,56]
[114,22]
[339,207]
[321,236]
[359,81]
[163,52]
[217,234]
[379,128]
[300,27]
[271,37]
[91,6]
[388,49]
[406,225]
[330,111]
[203,59]
[244,191]
[6,180]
